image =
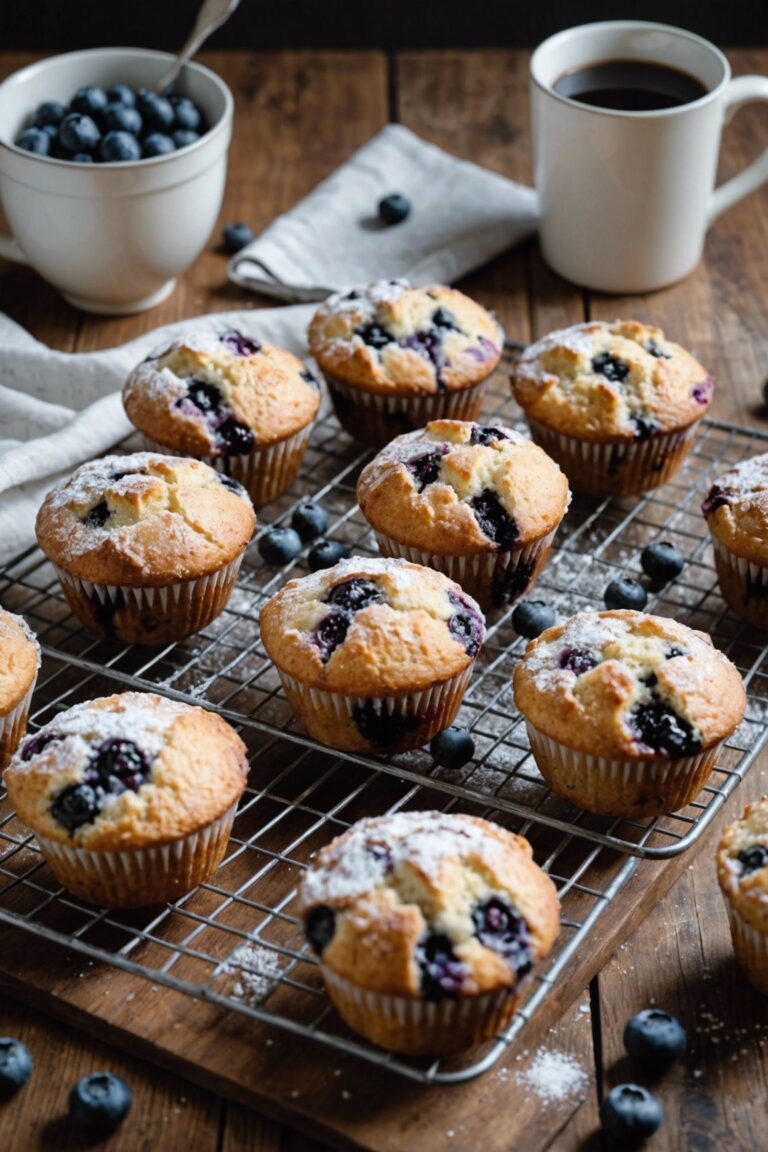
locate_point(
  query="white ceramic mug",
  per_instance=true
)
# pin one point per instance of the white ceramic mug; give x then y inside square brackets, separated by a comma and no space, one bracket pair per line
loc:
[626,198]
[111,237]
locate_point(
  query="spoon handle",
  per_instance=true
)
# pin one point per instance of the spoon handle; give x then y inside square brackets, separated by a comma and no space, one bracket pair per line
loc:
[212,14]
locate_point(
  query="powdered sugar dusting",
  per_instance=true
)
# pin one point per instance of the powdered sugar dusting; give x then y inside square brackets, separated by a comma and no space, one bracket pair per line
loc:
[255,972]
[747,478]
[554,1076]
[9,618]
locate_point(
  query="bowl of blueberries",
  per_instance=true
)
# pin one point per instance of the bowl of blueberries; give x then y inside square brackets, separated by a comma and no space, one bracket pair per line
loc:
[110,188]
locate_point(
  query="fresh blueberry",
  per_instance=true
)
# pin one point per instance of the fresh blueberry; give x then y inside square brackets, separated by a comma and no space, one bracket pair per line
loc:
[611,367]
[100,1101]
[35,140]
[80,158]
[500,927]
[15,1065]
[309,519]
[442,973]
[157,144]
[121,118]
[319,927]
[183,137]
[78,133]
[395,208]
[77,804]
[89,101]
[234,438]
[652,347]
[659,728]
[374,335]
[578,660]
[630,1114]
[625,593]
[654,1040]
[50,113]
[425,469]
[98,515]
[51,130]
[186,114]
[493,519]
[465,624]
[532,617]
[239,344]
[122,94]
[156,111]
[279,546]
[325,554]
[119,147]
[662,561]
[751,859]
[236,236]
[452,748]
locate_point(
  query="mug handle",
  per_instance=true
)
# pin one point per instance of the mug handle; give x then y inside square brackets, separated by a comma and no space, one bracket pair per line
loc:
[10,250]
[741,91]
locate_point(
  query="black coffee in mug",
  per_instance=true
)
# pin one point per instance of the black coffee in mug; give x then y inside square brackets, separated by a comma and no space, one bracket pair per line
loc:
[630,86]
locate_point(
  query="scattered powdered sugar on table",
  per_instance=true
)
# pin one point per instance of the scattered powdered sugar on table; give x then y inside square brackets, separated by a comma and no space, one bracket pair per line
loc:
[255,971]
[553,1076]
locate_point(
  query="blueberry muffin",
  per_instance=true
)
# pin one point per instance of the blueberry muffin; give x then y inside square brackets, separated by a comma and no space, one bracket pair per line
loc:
[477,502]
[626,712]
[615,404]
[395,356]
[742,870]
[427,926]
[19,665]
[736,511]
[131,797]
[147,547]
[244,407]
[374,655]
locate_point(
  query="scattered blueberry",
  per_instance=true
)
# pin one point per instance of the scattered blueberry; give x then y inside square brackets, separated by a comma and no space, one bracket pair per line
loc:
[395,208]
[752,859]
[183,137]
[630,1114]
[452,748]
[659,728]
[309,519]
[35,140]
[429,344]
[100,1101]
[205,396]
[662,561]
[157,144]
[319,927]
[122,94]
[532,617]
[156,111]
[81,158]
[500,927]
[119,147]
[325,554]
[186,114]
[654,1040]
[120,764]
[15,1065]
[49,114]
[442,973]
[279,546]
[121,118]
[78,133]
[644,426]
[625,593]
[236,236]
[611,367]
[89,101]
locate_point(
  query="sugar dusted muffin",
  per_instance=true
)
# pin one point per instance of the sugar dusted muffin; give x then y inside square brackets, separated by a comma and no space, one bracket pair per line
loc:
[427,926]
[244,407]
[374,655]
[736,511]
[396,357]
[615,404]
[147,547]
[131,797]
[477,502]
[19,665]
[742,870]
[626,712]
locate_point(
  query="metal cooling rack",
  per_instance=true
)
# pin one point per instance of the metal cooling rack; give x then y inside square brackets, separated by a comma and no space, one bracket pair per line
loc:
[301,795]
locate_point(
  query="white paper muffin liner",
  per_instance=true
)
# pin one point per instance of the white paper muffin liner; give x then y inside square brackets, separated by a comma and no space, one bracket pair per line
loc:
[13,726]
[620,787]
[329,716]
[151,615]
[377,418]
[265,473]
[420,1027]
[750,948]
[480,574]
[743,584]
[136,878]
[616,469]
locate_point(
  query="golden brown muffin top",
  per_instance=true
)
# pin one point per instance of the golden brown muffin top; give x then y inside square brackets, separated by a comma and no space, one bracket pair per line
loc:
[19,660]
[742,865]
[736,509]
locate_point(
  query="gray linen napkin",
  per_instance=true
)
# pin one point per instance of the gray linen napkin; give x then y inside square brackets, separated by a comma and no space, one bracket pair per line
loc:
[461,216]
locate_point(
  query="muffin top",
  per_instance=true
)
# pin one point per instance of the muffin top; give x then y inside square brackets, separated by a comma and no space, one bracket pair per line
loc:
[736,509]
[372,628]
[742,864]
[127,771]
[209,395]
[393,338]
[627,685]
[621,382]
[457,488]
[19,660]
[425,904]
[144,520]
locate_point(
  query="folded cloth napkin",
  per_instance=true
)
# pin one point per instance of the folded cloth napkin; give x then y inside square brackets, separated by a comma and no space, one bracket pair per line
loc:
[58,409]
[461,216]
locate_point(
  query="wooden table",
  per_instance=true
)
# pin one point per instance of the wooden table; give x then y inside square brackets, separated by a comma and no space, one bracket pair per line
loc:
[298,115]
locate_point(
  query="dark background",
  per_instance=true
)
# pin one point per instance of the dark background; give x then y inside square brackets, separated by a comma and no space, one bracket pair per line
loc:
[59,25]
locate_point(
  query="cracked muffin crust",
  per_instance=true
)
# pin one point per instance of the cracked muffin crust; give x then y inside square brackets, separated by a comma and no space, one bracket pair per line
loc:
[19,665]
[626,711]
[736,511]
[742,872]
[375,655]
[434,910]
[457,490]
[132,774]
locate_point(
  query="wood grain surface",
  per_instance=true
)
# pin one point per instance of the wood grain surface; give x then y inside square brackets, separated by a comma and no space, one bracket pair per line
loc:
[298,115]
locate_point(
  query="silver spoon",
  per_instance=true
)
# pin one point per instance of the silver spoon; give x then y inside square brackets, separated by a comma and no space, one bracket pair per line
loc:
[212,14]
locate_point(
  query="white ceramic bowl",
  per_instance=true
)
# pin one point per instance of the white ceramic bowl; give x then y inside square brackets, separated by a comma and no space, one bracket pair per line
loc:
[111,237]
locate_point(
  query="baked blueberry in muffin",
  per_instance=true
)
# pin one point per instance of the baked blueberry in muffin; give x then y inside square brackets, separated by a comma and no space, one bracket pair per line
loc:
[736,511]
